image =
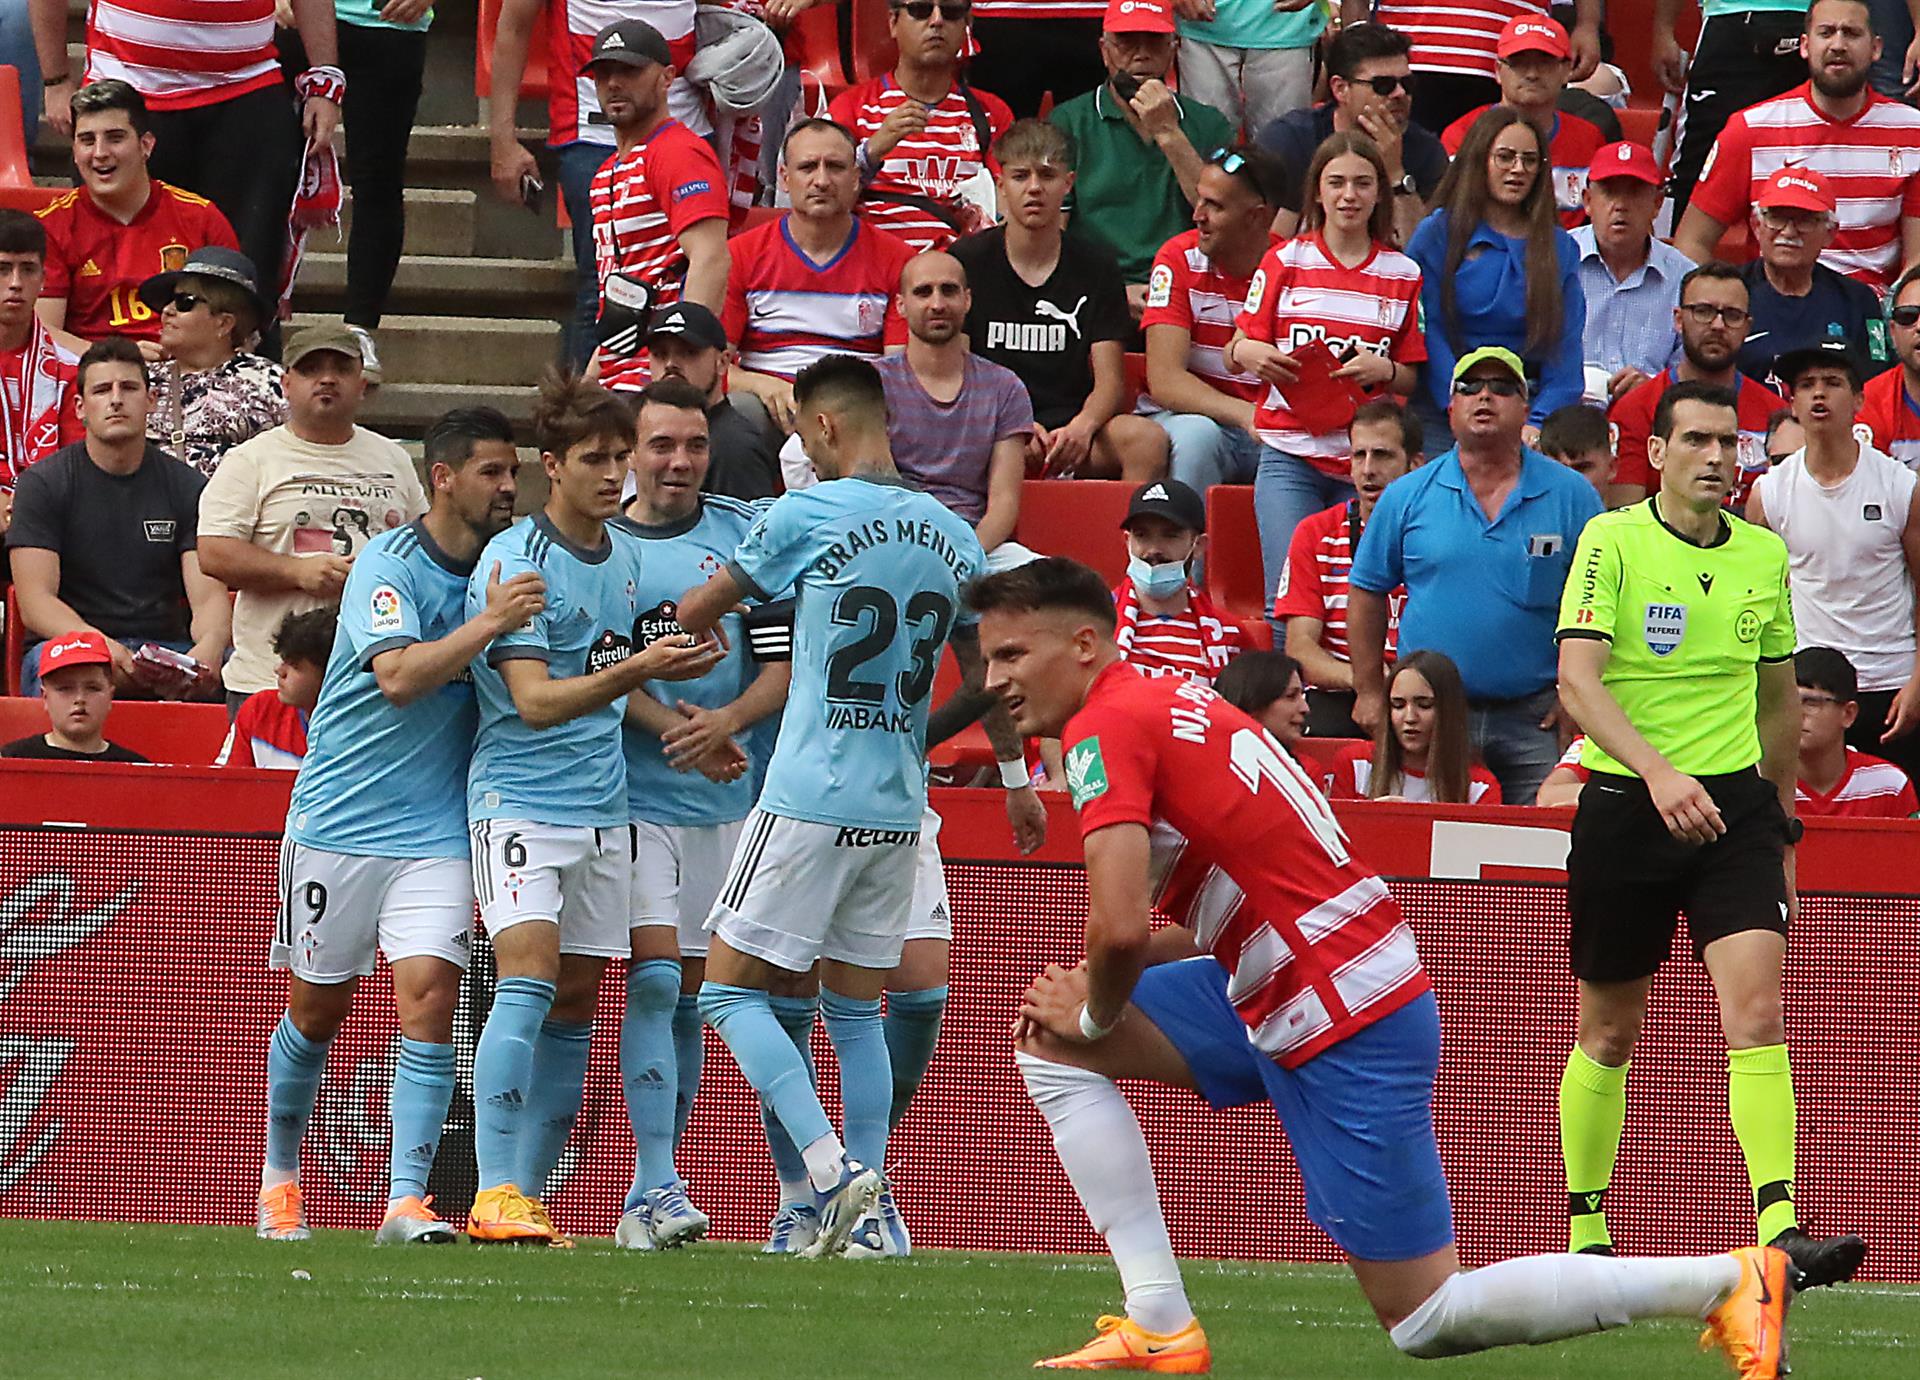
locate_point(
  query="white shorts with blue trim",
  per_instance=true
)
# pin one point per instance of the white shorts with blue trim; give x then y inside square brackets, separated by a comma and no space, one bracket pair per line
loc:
[571,875]
[678,870]
[338,911]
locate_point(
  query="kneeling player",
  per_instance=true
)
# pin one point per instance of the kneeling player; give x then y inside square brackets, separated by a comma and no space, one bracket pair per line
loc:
[376,847]
[1301,986]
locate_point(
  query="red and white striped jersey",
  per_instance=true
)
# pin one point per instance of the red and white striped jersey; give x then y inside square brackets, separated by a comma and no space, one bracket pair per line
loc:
[183,53]
[266,732]
[1301,293]
[1186,290]
[1869,788]
[1196,644]
[1455,36]
[931,164]
[641,203]
[1314,945]
[1353,775]
[784,311]
[1039,9]
[1872,162]
[1892,416]
[1630,424]
[571,28]
[39,403]
[1313,583]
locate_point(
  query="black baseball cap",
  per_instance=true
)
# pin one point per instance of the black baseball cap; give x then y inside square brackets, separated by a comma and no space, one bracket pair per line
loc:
[1169,499]
[633,42]
[1834,353]
[693,323]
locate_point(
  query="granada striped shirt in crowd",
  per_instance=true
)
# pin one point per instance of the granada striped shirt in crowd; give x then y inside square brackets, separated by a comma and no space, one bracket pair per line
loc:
[1353,776]
[1313,583]
[1570,150]
[1453,36]
[1892,416]
[1870,788]
[183,53]
[572,26]
[1301,293]
[1196,644]
[641,203]
[784,311]
[1186,290]
[1630,425]
[930,164]
[1871,162]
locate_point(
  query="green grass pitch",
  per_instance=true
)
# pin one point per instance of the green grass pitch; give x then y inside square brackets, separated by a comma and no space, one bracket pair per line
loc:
[85,1300]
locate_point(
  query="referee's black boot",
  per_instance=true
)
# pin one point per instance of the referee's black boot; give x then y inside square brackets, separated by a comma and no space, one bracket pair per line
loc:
[1822,1259]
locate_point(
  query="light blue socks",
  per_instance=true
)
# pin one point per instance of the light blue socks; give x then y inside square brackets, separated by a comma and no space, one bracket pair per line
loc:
[294,1066]
[649,1071]
[422,1089]
[866,1076]
[913,1027]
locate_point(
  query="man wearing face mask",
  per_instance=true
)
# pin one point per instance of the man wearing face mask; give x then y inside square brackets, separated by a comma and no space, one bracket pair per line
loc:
[1167,627]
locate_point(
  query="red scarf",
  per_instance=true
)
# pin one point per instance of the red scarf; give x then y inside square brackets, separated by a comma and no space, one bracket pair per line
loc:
[37,404]
[1219,634]
[316,202]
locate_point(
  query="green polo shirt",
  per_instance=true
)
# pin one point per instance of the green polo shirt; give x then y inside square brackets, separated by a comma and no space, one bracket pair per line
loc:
[1125,195]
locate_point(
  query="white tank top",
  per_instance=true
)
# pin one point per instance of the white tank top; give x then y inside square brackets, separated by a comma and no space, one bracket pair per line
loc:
[1851,587]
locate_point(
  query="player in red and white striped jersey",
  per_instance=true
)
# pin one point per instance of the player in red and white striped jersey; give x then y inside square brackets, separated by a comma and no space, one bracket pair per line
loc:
[1835,124]
[1167,627]
[1890,402]
[1453,47]
[820,280]
[924,132]
[659,204]
[1311,597]
[1294,981]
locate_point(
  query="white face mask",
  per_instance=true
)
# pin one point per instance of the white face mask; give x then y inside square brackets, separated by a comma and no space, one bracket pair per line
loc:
[1157,581]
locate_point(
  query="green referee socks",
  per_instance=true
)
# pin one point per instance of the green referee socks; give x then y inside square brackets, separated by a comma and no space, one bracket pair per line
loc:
[1760,1102]
[1593,1107]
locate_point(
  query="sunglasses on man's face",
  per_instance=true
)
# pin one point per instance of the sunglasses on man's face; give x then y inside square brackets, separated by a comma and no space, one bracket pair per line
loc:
[1384,86]
[1907,316]
[1500,387]
[922,10]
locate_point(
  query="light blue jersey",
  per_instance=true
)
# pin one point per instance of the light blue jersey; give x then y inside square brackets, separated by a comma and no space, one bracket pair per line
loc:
[385,780]
[572,773]
[676,558]
[877,568]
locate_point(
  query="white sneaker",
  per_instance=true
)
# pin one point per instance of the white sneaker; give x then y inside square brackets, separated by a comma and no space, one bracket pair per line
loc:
[369,356]
[281,1216]
[881,1233]
[842,1207]
[411,1221]
[635,1232]
[675,1220]
[792,1230]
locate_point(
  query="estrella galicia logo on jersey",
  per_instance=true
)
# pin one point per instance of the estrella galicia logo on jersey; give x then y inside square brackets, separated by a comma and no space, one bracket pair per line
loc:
[1664,626]
[608,649]
[1086,772]
[662,620]
[384,605]
[1747,626]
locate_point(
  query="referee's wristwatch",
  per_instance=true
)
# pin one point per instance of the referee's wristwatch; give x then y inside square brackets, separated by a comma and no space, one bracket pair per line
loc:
[1796,830]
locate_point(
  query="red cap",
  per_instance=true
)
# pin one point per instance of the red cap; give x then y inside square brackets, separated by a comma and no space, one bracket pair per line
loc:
[1139,17]
[1625,159]
[74,649]
[1799,189]
[1533,33]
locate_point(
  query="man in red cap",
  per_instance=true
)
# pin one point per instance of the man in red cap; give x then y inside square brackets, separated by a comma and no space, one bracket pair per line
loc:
[1535,61]
[1455,46]
[1631,279]
[76,683]
[1866,146]
[1798,298]
[1139,148]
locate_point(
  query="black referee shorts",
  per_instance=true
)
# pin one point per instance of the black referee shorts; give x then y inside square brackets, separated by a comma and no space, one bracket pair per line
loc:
[1628,878]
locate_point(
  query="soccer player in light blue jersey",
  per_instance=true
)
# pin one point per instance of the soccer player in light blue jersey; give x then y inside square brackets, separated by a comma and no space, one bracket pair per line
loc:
[375,856]
[825,866]
[547,800]
[690,785]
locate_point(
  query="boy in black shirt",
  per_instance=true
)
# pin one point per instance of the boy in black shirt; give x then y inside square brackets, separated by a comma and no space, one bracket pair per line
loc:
[77,685]
[1055,313]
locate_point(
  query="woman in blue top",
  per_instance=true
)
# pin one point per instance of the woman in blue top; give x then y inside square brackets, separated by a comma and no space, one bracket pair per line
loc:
[1498,270]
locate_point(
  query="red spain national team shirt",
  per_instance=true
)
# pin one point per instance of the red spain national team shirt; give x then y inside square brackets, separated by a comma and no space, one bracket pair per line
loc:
[98,264]
[1314,946]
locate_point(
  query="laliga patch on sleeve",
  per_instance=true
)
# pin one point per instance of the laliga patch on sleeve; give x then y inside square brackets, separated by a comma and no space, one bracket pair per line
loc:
[1160,286]
[687,189]
[1086,772]
[384,605]
[1256,290]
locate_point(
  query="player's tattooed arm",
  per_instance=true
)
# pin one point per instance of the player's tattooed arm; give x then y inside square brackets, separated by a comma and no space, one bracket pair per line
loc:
[702,608]
[405,674]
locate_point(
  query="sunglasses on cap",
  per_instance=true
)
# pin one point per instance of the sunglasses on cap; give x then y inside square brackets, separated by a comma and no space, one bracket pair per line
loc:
[922,10]
[1227,160]
[1500,387]
[1905,316]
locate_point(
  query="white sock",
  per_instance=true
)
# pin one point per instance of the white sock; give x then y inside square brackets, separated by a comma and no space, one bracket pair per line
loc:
[1100,1146]
[1546,1298]
[794,1194]
[273,1178]
[826,1160]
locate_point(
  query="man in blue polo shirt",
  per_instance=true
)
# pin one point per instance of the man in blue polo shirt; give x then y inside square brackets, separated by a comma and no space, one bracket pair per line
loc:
[1482,538]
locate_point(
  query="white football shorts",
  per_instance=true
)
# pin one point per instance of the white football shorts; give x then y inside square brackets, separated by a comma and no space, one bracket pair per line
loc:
[571,875]
[339,910]
[677,872]
[929,917]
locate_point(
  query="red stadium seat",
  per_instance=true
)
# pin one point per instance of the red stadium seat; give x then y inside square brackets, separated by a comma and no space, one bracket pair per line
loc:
[1640,125]
[1136,367]
[759,215]
[1317,754]
[29,199]
[179,734]
[814,39]
[874,51]
[13,133]
[1078,518]
[1236,579]
[1631,24]
[534,82]
[968,750]
[16,644]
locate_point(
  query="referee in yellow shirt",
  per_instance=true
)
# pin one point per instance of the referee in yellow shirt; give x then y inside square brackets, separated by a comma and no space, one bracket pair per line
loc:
[1676,657]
